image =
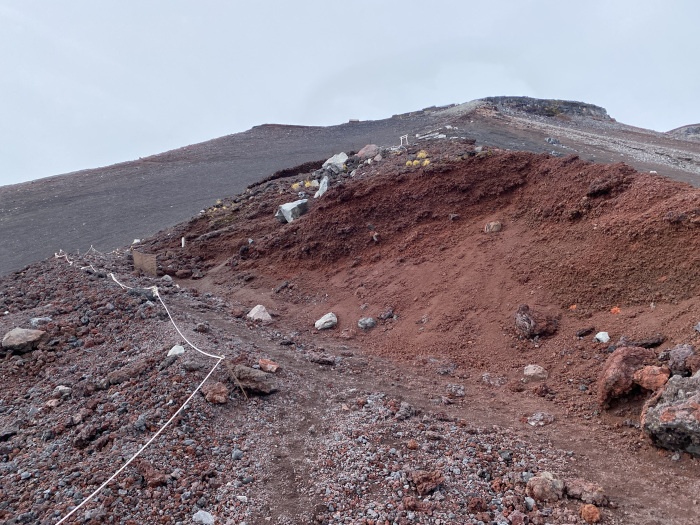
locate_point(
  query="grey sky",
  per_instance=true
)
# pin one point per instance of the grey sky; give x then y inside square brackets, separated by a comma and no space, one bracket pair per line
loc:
[87,83]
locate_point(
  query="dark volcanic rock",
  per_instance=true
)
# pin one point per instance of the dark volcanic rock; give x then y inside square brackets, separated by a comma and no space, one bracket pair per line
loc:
[673,421]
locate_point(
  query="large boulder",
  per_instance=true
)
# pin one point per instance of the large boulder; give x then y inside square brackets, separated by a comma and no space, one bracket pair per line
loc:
[672,421]
[545,487]
[369,151]
[22,340]
[533,323]
[252,380]
[337,161]
[617,377]
[292,210]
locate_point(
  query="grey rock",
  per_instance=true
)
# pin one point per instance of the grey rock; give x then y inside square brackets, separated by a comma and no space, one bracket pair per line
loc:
[237,454]
[22,340]
[338,161]
[367,323]
[327,321]
[673,420]
[203,517]
[678,357]
[39,321]
[176,351]
[61,391]
[259,313]
[252,380]
[322,188]
[493,227]
[292,210]
[534,373]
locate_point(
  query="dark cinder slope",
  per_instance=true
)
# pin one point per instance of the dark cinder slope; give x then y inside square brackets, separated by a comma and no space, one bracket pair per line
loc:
[109,207]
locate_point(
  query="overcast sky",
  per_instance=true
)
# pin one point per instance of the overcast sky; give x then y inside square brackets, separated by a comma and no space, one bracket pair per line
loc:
[87,83]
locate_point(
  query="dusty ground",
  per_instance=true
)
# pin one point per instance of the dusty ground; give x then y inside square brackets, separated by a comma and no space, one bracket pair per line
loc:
[332,445]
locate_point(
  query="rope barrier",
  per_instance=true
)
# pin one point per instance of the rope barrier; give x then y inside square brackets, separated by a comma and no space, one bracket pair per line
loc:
[62,255]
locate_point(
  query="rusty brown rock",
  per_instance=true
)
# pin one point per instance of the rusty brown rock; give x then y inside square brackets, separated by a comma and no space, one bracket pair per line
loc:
[617,377]
[589,513]
[545,487]
[216,393]
[426,482]
[586,491]
[652,377]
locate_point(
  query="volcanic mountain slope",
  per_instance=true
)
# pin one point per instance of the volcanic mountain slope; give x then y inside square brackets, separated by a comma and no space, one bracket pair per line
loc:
[425,418]
[109,207]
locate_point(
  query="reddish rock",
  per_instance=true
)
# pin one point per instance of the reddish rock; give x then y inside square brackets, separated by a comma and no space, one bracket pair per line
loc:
[267,365]
[426,482]
[151,476]
[517,518]
[617,377]
[545,487]
[652,377]
[586,491]
[369,151]
[216,393]
[589,513]
[534,323]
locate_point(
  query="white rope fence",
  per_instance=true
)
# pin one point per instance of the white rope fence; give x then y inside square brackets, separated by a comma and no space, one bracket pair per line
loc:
[154,289]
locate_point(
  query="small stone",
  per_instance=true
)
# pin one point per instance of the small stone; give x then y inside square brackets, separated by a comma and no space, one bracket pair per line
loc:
[176,350]
[216,393]
[292,210]
[602,337]
[493,227]
[366,323]
[533,373]
[589,513]
[237,454]
[203,517]
[540,419]
[259,313]
[61,391]
[412,444]
[322,188]
[267,365]
[39,321]
[534,323]
[327,321]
